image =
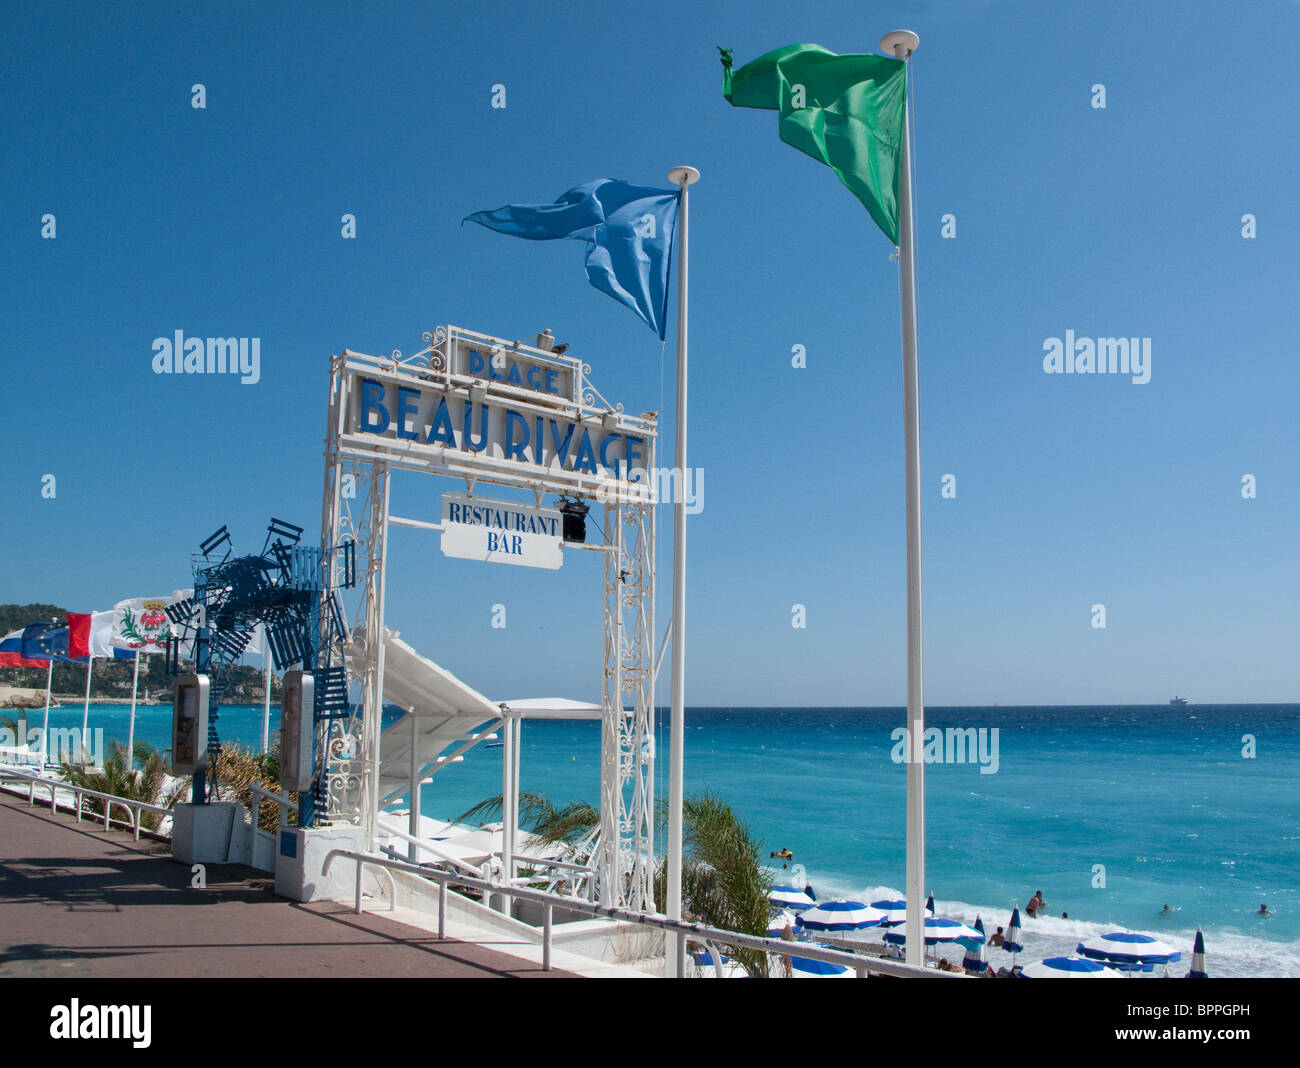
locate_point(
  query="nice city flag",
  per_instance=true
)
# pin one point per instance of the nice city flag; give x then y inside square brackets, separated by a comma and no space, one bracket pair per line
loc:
[629,231]
[138,623]
[846,111]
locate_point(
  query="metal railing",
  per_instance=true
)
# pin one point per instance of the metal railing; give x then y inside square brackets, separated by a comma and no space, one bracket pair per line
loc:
[20,755]
[582,875]
[553,872]
[282,800]
[681,929]
[429,847]
[134,809]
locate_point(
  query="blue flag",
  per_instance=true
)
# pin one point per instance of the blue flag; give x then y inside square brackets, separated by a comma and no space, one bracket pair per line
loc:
[629,230]
[47,641]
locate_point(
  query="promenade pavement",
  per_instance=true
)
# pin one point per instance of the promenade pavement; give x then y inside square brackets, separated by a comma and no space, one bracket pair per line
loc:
[76,900]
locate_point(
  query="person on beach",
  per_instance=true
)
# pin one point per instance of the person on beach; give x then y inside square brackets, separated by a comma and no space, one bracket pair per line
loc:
[1036,905]
[998,938]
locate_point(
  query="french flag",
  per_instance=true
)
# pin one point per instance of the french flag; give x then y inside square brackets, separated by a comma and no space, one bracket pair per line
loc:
[11,651]
[88,634]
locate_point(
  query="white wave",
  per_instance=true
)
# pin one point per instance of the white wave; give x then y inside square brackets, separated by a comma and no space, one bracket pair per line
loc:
[1227,954]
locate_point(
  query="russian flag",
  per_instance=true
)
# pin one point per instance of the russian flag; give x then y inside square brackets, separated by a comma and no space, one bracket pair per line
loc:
[11,652]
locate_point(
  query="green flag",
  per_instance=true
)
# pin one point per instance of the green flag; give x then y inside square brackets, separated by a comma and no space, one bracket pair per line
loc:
[846,111]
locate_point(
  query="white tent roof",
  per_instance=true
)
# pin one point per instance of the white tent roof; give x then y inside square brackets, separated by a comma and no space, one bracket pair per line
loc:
[552,708]
[416,682]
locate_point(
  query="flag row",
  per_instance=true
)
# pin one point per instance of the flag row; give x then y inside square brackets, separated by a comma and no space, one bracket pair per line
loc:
[136,625]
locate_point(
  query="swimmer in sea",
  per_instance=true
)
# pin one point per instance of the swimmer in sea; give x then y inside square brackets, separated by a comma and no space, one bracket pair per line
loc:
[1263,911]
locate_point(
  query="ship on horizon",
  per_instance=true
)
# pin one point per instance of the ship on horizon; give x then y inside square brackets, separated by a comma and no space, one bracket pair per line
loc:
[1178,702]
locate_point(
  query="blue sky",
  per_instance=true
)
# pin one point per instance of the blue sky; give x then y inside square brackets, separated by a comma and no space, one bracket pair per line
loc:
[1071,490]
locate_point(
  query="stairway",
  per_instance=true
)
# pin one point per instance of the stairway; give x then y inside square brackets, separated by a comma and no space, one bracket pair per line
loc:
[449,718]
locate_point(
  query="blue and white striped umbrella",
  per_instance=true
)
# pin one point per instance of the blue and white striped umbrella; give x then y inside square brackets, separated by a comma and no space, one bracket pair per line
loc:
[893,911]
[1198,958]
[1068,968]
[779,922]
[789,897]
[1127,948]
[704,958]
[1011,940]
[974,960]
[838,916]
[803,968]
[938,929]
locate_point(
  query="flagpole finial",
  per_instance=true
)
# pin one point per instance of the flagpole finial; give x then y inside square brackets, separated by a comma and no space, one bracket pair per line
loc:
[891,42]
[683,176]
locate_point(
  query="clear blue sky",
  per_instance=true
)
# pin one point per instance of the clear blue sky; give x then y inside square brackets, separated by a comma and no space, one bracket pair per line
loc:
[1071,490]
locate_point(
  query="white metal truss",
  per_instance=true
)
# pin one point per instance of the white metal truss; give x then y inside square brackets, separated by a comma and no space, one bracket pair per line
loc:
[356,505]
[353,510]
[627,735]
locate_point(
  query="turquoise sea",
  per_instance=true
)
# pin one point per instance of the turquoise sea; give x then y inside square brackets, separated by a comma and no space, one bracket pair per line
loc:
[1170,802]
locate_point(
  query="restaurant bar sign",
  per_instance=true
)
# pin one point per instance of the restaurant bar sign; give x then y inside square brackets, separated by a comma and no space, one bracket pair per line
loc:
[500,407]
[501,532]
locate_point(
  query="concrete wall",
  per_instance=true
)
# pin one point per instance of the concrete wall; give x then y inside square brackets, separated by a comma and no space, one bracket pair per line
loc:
[203,834]
[300,864]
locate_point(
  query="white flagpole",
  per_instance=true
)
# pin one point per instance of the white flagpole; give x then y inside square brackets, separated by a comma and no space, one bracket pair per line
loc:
[85,708]
[683,177]
[266,700]
[130,730]
[45,731]
[902,43]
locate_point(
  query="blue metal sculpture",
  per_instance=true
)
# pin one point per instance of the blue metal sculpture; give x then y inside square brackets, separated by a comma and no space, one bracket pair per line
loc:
[292,590]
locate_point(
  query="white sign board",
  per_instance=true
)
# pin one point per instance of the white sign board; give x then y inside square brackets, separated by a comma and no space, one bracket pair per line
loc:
[498,410]
[501,532]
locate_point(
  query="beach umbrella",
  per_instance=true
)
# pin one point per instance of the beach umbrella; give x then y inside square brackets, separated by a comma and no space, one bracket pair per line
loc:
[790,897]
[1129,950]
[1011,940]
[893,911]
[1198,958]
[929,905]
[779,922]
[704,958]
[974,961]
[838,916]
[803,968]
[1068,968]
[939,930]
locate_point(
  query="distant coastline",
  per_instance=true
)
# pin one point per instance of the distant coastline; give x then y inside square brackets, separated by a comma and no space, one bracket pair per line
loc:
[26,698]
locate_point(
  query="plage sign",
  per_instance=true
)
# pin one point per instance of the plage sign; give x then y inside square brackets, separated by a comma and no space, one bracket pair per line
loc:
[501,532]
[477,407]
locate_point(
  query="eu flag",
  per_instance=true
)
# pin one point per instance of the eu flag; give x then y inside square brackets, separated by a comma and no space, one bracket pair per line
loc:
[47,641]
[629,231]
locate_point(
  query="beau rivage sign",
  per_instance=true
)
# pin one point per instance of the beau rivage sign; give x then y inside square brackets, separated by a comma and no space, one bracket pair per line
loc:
[482,407]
